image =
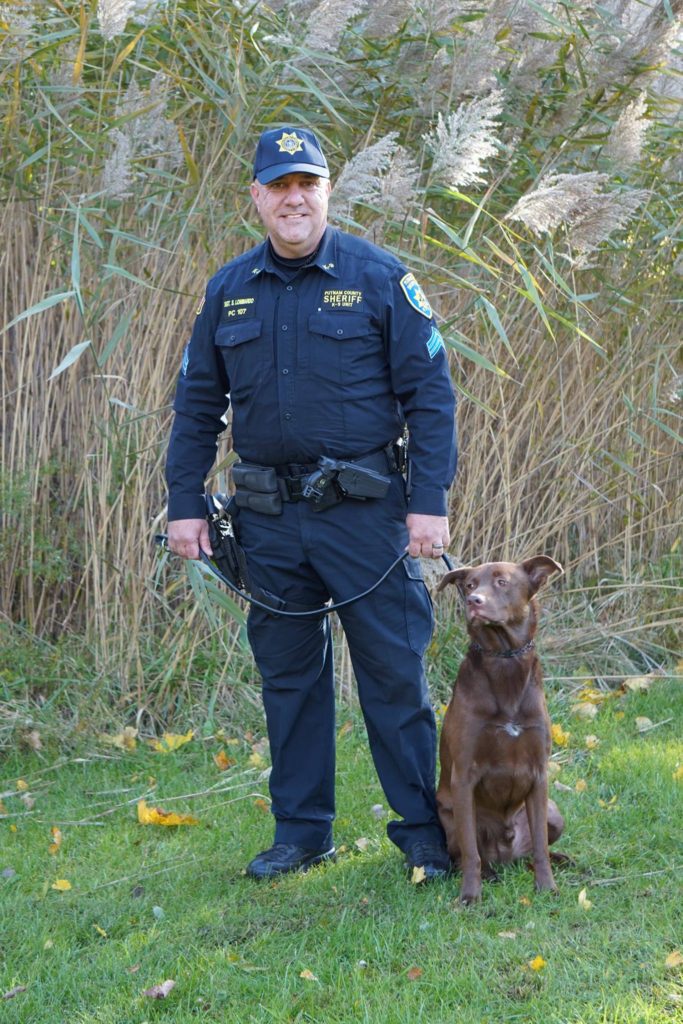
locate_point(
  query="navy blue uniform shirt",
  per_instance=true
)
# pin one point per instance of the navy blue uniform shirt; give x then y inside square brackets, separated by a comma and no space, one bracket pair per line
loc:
[333,361]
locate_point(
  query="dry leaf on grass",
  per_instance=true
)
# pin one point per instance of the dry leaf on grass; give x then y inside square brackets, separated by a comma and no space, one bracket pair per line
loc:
[262,804]
[222,761]
[674,960]
[638,684]
[17,990]
[344,729]
[581,786]
[507,935]
[171,741]
[362,844]
[56,840]
[584,902]
[126,740]
[32,739]
[560,737]
[160,991]
[308,975]
[157,816]
[538,963]
[643,724]
[418,875]
[414,973]
[585,709]
[592,742]
[61,885]
[22,785]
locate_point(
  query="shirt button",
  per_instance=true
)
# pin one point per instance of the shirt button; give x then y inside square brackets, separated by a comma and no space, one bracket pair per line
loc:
[285,371]
[288,415]
[284,327]
[289,288]
[340,331]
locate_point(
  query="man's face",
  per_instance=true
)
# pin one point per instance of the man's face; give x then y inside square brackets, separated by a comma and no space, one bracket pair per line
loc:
[293,210]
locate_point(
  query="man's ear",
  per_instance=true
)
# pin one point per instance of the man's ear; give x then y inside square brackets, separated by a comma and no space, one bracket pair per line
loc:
[538,569]
[457,576]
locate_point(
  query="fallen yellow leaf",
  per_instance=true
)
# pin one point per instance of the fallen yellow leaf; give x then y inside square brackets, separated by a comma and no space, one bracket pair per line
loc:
[126,740]
[418,875]
[222,761]
[581,786]
[592,742]
[345,729]
[22,785]
[13,828]
[171,741]
[56,841]
[643,724]
[674,960]
[560,737]
[262,804]
[100,931]
[362,844]
[594,696]
[554,769]
[608,803]
[537,964]
[308,975]
[414,973]
[525,901]
[157,816]
[61,885]
[584,902]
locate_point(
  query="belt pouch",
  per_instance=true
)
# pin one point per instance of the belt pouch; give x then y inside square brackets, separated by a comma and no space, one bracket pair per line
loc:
[256,488]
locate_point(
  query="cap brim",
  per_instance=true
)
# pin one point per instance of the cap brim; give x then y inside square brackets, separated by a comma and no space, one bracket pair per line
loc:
[279,170]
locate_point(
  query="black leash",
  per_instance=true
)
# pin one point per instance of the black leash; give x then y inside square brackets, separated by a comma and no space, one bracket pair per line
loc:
[161,539]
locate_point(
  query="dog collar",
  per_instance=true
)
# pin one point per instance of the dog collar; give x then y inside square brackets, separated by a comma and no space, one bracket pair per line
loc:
[528,646]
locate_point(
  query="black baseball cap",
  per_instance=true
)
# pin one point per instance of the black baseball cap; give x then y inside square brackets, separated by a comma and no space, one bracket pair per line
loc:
[287,150]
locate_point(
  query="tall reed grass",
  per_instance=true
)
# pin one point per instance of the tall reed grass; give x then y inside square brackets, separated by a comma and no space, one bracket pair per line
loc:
[127,137]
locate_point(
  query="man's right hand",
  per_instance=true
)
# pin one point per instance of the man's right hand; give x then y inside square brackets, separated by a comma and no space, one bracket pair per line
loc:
[187,536]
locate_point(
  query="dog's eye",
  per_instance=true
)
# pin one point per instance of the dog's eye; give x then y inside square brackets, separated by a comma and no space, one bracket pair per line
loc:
[502,582]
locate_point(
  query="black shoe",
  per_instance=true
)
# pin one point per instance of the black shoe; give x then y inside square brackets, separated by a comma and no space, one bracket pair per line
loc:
[433,857]
[284,857]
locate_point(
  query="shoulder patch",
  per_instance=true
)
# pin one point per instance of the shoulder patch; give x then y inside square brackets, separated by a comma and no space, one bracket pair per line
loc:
[434,343]
[415,296]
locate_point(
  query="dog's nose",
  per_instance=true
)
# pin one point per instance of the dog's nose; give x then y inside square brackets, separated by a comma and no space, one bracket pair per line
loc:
[475,599]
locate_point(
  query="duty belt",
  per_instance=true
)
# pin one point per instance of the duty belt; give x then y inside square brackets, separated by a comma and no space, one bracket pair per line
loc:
[323,483]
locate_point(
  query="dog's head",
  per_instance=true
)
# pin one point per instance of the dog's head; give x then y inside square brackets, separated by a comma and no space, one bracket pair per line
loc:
[501,593]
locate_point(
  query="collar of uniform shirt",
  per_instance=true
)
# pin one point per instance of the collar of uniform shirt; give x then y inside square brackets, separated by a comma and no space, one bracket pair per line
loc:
[326,258]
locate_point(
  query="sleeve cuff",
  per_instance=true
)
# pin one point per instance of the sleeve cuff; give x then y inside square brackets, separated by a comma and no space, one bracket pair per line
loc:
[186,506]
[426,502]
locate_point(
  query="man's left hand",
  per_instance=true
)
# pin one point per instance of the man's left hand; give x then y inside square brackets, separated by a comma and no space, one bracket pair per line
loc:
[428,536]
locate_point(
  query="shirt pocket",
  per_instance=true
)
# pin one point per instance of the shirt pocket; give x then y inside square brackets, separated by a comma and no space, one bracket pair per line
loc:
[246,355]
[345,347]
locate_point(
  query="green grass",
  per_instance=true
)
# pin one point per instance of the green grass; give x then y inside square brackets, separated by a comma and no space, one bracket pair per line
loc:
[151,903]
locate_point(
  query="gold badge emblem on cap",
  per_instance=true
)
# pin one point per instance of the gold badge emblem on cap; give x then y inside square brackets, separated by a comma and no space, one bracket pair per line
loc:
[290,143]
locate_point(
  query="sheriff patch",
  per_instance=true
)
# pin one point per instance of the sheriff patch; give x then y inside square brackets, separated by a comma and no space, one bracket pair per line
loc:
[415,296]
[341,298]
[434,343]
[289,142]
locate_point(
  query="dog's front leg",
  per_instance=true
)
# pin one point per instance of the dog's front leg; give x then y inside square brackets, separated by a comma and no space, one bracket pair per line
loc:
[465,821]
[537,813]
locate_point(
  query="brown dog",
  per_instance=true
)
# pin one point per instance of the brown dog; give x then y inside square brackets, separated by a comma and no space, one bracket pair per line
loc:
[495,742]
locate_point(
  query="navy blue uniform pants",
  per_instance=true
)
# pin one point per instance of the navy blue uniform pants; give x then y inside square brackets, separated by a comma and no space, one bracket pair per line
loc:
[306,557]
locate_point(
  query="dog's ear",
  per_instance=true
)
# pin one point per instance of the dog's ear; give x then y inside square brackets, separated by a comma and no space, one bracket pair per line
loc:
[538,569]
[454,576]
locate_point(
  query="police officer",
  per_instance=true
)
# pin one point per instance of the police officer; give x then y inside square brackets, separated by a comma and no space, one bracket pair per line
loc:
[323,344]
